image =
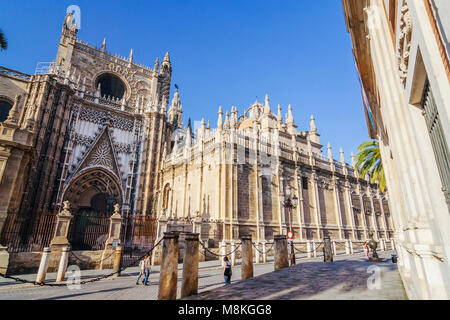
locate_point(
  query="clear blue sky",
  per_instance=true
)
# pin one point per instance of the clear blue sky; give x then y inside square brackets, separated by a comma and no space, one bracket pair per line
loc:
[223,52]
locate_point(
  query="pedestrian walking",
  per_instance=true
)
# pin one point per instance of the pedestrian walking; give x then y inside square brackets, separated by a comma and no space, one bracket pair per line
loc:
[141,270]
[147,269]
[227,271]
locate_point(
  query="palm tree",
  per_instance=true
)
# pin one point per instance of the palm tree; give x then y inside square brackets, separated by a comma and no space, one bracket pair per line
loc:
[3,41]
[368,161]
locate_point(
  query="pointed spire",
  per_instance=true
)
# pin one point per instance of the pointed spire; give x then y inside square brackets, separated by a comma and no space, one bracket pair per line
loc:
[279,117]
[330,155]
[219,119]
[203,123]
[341,152]
[104,45]
[207,126]
[227,120]
[267,106]
[312,125]
[156,67]
[176,99]
[167,57]
[290,117]
[189,135]
[13,112]
[130,58]
[353,159]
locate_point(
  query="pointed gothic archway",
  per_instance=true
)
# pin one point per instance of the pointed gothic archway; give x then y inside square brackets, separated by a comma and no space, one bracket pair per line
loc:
[92,194]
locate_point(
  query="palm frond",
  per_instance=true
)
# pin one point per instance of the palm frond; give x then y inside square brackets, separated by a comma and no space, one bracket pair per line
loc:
[3,41]
[368,161]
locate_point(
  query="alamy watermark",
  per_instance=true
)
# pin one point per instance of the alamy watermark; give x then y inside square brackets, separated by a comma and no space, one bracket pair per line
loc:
[374,280]
[76,14]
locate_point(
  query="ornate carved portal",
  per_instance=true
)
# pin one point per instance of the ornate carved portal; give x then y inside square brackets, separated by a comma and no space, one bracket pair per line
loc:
[92,194]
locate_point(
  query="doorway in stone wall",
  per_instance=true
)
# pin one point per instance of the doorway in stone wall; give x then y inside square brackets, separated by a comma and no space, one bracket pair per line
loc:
[90,226]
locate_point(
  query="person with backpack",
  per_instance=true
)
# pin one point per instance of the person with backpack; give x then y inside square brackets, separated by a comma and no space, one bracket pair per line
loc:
[227,271]
[141,270]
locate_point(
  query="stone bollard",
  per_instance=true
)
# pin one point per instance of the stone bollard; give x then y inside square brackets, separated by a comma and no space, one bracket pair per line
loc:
[264,252]
[347,246]
[247,257]
[4,260]
[223,251]
[327,253]
[351,247]
[43,267]
[308,248]
[393,245]
[334,248]
[117,261]
[233,253]
[167,286]
[63,264]
[281,252]
[189,283]
[257,253]
[314,248]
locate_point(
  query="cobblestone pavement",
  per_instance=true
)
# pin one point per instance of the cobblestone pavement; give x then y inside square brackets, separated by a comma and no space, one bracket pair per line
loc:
[346,278]
[310,278]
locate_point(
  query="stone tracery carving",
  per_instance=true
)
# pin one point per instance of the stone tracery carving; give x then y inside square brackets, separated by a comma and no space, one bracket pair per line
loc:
[99,118]
[404,43]
[101,155]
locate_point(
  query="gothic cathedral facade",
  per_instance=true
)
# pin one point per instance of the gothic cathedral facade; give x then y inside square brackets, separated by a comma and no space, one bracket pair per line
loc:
[97,129]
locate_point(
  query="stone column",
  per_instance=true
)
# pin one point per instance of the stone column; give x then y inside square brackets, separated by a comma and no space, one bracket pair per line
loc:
[327,252]
[42,272]
[63,265]
[308,248]
[314,248]
[118,261]
[62,227]
[382,247]
[4,260]
[59,240]
[189,284]
[281,252]
[393,245]
[223,251]
[197,225]
[233,253]
[167,287]
[347,246]
[247,257]
[114,228]
[257,253]
[264,251]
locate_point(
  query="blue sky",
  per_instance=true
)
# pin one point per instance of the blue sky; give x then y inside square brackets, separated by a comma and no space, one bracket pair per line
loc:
[222,52]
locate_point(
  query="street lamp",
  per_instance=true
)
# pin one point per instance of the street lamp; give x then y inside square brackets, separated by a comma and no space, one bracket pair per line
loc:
[289,204]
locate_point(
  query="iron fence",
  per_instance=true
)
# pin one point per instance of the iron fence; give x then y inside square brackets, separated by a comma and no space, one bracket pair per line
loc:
[25,234]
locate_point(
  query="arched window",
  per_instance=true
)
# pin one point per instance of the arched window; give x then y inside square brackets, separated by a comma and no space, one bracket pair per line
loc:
[111,85]
[5,106]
